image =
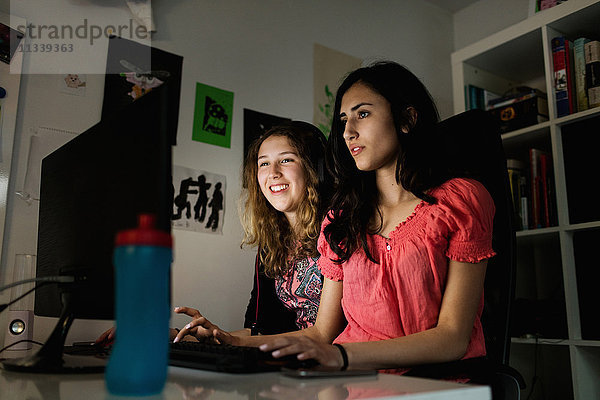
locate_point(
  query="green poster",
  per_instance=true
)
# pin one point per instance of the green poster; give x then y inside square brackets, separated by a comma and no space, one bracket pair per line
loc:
[213,115]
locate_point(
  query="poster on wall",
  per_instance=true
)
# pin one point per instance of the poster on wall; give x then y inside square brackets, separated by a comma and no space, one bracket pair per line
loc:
[330,68]
[133,70]
[213,114]
[199,200]
[256,123]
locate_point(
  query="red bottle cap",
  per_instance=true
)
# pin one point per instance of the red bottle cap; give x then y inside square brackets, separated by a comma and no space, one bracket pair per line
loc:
[145,234]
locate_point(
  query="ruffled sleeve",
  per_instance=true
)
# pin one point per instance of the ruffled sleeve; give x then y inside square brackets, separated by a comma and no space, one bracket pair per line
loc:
[469,209]
[329,269]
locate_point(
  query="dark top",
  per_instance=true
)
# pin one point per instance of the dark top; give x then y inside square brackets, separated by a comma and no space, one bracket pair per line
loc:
[273,316]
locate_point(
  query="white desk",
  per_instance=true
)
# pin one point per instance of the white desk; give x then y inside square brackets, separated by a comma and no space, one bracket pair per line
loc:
[188,384]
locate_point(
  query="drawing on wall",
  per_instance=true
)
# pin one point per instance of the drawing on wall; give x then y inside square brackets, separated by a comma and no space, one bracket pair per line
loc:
[330,68]
[256,123]
[73,84]
[134,69]
[213,115]
[199,200]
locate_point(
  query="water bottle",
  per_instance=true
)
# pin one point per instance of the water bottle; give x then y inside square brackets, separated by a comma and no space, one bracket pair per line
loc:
[139,358]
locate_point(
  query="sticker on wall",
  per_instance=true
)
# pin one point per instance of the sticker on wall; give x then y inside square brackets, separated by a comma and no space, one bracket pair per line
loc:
[330,68]
[199,202]
[256,123]
[73,84]
[213,114]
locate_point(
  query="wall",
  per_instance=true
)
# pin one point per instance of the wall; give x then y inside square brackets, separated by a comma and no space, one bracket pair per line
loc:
[260,50]
[485,17]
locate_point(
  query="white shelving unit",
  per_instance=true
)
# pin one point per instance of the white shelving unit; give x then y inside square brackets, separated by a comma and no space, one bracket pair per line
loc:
[558,268]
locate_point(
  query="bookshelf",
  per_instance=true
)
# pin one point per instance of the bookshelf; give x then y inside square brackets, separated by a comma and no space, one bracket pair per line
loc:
[555,345]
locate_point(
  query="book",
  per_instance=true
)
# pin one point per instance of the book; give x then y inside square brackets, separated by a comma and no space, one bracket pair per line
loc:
[524,206]
[592,72]
[489,97]
[478,98]
[563,81]
[579,72]
[546,4]
[535,188]
[516,173]
[475,97]
[542,210]
[515,96]
[519,112]
[546,193]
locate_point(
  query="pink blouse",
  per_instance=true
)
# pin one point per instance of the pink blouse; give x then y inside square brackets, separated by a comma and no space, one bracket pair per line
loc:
[402,294]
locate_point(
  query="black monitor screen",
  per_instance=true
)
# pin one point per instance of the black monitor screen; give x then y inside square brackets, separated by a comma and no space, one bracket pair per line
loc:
[92,187]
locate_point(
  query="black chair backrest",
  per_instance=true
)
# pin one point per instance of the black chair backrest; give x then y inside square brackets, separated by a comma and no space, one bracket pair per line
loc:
[474,149]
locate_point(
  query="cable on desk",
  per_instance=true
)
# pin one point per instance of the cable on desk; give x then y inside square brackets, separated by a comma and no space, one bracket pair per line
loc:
[20,341]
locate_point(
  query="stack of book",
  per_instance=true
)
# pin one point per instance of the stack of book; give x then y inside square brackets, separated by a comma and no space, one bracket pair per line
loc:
[532,190]
[576,74]
[478,98]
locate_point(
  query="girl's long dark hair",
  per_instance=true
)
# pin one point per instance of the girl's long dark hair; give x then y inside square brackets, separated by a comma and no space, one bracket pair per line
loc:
[418,169]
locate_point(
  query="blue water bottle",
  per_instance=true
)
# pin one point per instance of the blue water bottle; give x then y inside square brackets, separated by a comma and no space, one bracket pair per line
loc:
[139,358]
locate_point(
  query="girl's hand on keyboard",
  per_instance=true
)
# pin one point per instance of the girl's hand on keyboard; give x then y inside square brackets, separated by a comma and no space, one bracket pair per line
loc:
[107,338]
[200,327]
[305,348]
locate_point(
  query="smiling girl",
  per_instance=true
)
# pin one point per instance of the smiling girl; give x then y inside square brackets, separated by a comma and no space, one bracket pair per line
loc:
[285,186]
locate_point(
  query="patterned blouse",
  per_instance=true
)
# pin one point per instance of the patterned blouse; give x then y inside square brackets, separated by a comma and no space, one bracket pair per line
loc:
[300,290]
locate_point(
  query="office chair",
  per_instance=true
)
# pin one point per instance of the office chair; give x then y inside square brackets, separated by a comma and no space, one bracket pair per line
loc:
[474,149]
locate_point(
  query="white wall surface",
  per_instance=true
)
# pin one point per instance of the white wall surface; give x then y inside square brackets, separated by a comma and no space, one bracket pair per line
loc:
[260,50]
[485,17]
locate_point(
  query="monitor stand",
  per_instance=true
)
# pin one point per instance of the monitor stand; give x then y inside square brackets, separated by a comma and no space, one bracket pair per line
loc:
[50,357]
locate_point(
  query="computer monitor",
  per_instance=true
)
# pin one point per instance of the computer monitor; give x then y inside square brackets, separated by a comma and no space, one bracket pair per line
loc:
[91,188]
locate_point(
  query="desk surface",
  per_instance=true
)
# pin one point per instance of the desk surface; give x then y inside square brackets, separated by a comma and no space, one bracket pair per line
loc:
[188,384]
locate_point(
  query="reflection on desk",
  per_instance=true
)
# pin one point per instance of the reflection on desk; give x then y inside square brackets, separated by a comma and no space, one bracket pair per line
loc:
[188,384]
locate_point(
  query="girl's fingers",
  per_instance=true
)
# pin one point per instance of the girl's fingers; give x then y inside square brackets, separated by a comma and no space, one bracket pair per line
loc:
[199,322]
[107,336]
[192,312]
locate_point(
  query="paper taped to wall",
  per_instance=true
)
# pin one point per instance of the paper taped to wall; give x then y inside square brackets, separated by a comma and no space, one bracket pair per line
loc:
[42,143]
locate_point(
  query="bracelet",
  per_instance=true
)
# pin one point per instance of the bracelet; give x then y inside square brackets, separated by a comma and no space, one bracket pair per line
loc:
[344,356]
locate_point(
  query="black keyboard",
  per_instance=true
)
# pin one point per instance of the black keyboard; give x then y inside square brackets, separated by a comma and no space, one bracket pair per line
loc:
[228,358]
